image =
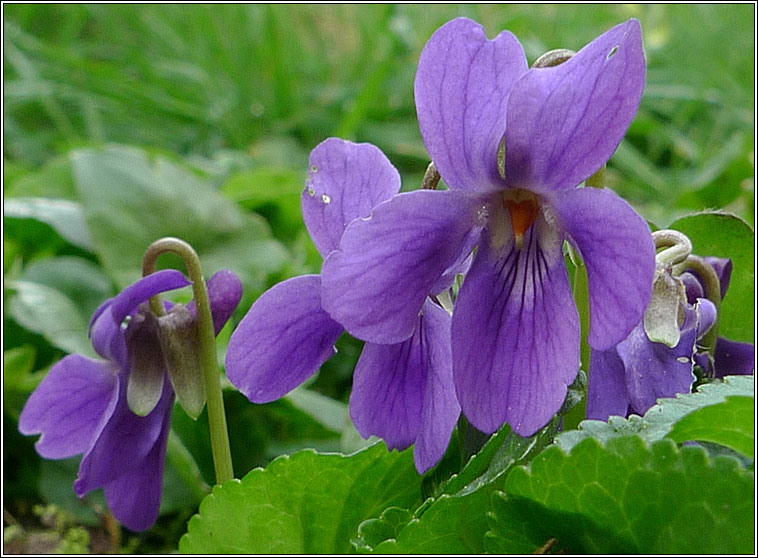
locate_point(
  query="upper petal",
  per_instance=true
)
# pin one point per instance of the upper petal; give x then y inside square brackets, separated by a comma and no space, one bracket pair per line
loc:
[135,294]
[618,251]
[377,281]
[283,340]
[566,121]
[224,294]
[69,404]
[346,181]
[515,333]
[461,91]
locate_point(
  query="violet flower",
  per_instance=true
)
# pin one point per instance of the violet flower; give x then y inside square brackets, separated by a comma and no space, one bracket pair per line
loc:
[632,376]
[81,406]
[515,327]
[402,392]
[729,357]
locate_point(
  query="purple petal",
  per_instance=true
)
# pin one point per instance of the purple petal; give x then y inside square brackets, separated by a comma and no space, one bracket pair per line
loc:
[440,412]
[692,286]
[706,316]
[345,181]
[565,122]
[123,442]
[515,332]
[732,357]
[282,341]
[134,497]
[606,392]
[69,404]
[224,294]
[461,91]
[404,393]
[723,268]
[654,370]
[107,336]
[376,283]
[619,254]
[135,294]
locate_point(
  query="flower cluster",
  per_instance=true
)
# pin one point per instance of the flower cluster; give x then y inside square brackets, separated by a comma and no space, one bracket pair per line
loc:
[117,411]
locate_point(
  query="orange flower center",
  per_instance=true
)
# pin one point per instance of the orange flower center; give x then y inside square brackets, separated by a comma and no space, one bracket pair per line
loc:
[523,213]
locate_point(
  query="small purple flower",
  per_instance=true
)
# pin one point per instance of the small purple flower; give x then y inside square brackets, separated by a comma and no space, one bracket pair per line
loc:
[632,376]
[81,406]
[402,392]
[515,327]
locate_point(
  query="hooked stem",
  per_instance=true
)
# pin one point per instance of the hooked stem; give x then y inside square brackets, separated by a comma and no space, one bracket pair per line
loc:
[222,457]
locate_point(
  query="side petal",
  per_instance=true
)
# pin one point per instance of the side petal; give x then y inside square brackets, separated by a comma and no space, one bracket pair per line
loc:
[69,404]
[618,251]
[440,411]
[346,181]
[461,90]
[404,392]
[732,357]
[134,498]
[654,370]
[283,340]
[224,294]
[565,122]
[606,392]
[108,338]
[723,268]
[377,281]
[132,296]
[123,442]
[515,333]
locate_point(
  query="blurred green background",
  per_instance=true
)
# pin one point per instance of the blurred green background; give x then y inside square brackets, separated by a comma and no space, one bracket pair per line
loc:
[123,123]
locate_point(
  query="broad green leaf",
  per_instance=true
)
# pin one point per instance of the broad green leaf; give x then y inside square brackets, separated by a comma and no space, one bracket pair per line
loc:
[728,236]
[52,180]
[661,417]
[307,503]
[625,498]
[50,313]
[130,201]
[730,423]
[65,216]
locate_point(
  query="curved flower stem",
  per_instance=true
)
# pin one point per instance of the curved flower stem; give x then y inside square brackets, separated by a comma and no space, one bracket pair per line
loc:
[677,247]
[222,457]
[712,292]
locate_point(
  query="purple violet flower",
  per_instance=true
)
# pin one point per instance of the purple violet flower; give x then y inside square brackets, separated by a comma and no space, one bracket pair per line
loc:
[402,392]
[81,405]
[633,375]
[515,327]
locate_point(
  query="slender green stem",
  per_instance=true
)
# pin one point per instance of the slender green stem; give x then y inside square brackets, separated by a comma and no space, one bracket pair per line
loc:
[222,457]
[581,297]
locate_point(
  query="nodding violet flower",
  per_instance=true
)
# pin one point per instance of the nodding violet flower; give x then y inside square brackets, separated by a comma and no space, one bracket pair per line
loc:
[729,357]
[402,392]
[85,405]
[515,327]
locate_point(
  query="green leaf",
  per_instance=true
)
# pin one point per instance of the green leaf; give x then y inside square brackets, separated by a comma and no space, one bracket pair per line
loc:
[52,180]
[50,313]
[731,424]
[387,526]
[130,201]
[662,416]
[625,498]
[65,216]
[18,380]
[727,236]
[307,503]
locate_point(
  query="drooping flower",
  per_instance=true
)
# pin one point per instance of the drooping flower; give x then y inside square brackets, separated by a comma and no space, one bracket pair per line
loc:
[515,328]
[86,406]
[631,376]
[402,392]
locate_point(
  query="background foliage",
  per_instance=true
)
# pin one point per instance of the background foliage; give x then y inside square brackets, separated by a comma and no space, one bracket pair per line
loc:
[123,123]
